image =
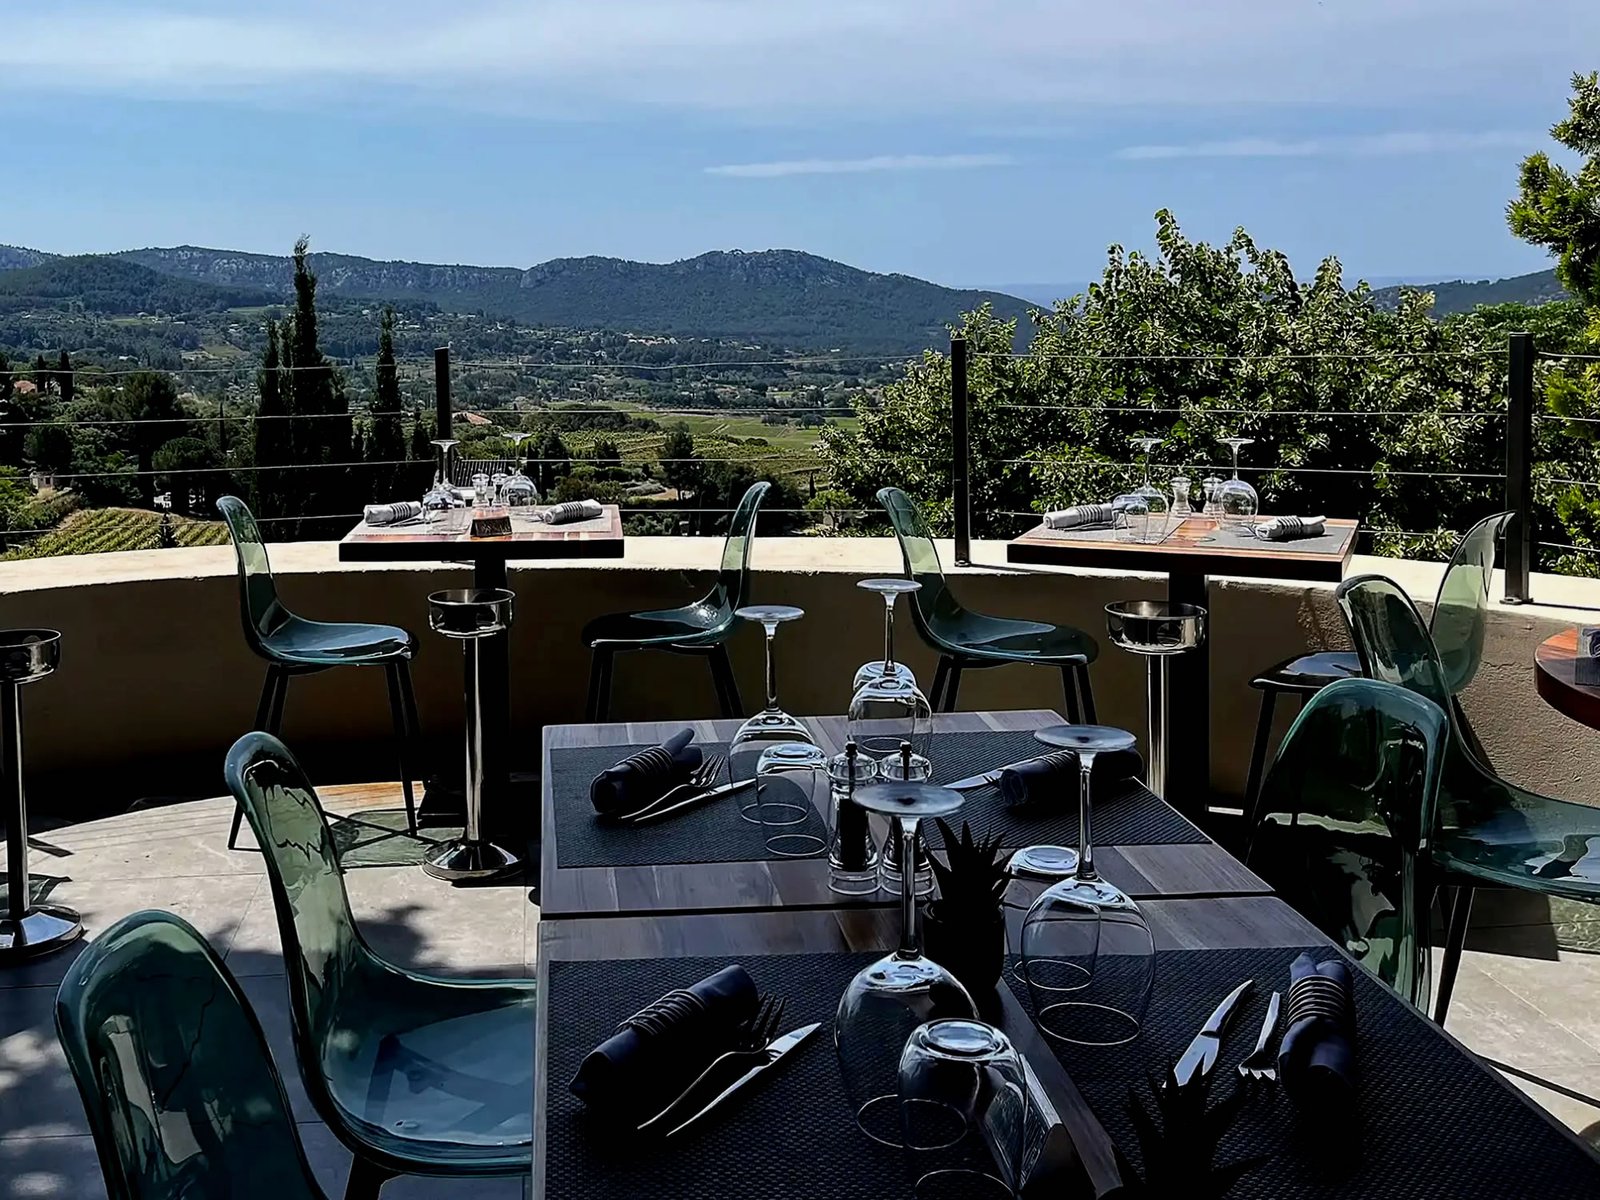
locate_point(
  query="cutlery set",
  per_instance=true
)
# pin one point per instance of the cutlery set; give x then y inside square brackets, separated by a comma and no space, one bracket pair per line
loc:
[699,788]
[1260,1066]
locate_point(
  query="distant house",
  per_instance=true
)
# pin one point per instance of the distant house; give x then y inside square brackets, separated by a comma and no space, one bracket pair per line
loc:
[26,387]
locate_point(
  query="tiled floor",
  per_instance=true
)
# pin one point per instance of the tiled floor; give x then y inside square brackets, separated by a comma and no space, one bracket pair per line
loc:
[176,859]
[1526,996]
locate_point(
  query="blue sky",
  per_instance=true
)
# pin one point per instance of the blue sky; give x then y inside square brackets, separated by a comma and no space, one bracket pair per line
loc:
[971,143]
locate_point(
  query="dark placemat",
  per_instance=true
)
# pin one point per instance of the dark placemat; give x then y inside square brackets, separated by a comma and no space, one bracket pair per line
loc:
[1331,542]
[1432,1121]
[1125,812]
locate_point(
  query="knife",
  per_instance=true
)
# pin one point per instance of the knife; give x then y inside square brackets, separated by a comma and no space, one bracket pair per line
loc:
[697,798]
[976,781]
[1202,1053]
[774,1053]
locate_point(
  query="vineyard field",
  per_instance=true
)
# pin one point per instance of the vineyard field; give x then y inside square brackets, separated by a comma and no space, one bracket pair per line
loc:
[102,530]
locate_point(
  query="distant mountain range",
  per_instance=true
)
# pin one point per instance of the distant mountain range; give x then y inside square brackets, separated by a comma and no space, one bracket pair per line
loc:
[1461,295]
[782,297]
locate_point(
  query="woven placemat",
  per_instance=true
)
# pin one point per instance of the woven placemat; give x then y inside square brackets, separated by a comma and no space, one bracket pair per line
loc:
[1124,814]
[1434,1124]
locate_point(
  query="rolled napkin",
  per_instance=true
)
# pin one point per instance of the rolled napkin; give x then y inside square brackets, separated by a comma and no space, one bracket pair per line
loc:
[1053,778]
[1081,516]
[391,514]
[1287,529]
[572,510]
[659,1051]
[1317,1058]
[646,776]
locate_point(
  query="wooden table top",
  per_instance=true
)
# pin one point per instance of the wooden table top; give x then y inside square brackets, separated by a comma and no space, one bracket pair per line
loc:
[1183,550]
[1555,664]
[1196,869]
[450,539]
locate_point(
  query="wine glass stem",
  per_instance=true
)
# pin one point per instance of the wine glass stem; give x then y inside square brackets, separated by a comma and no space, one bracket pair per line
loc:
[772,671]
[888,635]
[1235,449]
[1085,834]
[910,944]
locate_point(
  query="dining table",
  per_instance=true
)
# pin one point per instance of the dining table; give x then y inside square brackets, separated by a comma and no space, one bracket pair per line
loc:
[446,536]
[1190,553]
[710,860]
[1566,681]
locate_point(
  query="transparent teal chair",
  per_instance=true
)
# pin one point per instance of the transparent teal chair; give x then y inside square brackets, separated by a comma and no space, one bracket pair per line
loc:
[176,1080]
[293,646]
[965,639]
[699,628]
[1460,614]
[1487,831]
[1347,811]
[415,1075]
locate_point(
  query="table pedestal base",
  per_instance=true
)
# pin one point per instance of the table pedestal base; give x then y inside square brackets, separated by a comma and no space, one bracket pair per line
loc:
[43,928]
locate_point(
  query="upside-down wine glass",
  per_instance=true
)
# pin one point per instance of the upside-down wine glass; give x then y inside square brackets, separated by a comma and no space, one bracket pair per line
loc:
[1155,500]
[1237,501]
[1087,954]
[769,726]
[887,1001]
[441,496]
[891,590]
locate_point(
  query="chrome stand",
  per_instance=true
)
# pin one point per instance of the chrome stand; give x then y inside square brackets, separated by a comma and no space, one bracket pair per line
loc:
[469,615]
[1157,630]
[26,929]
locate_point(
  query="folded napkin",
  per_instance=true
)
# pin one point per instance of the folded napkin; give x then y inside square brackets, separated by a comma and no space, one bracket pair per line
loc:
[646,776]
[659,1051]
[1080,516]
[572,510]
[1053,778]
[1317,1058]
[391,514]
[1287,529]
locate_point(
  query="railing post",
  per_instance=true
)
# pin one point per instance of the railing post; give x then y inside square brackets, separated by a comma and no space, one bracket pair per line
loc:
[961,451]
[1519,467]
[441,392]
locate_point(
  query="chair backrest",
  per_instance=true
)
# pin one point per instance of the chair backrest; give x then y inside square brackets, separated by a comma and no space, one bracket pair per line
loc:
[732,590]
[1348,807]
[176,1079]
[933,606]
[1461,610]
[332,973]
[259,606]
[1391,638]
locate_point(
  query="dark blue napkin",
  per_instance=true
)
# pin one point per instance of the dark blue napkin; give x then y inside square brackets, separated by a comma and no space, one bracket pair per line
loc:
[1317,1058]
[646,776]
[1052,779]
[660,1050]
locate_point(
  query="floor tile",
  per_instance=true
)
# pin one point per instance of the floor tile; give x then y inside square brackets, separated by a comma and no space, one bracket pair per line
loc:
[53,1168]
[38,1098]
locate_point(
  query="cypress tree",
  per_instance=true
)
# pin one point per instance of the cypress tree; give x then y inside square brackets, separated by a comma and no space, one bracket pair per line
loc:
[272,434]
[387,441]
[316,396]
[64,377]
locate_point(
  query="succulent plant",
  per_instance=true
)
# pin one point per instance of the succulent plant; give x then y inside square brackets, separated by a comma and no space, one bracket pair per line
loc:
[1179,1142]
[972,877]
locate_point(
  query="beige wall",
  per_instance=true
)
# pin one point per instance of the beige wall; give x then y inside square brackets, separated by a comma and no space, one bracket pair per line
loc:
[156,681]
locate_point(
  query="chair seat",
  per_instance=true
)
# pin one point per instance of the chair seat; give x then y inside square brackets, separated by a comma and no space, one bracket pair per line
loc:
[303,643]
[1552,848]
[1310,672]
[692,625]
[978,639]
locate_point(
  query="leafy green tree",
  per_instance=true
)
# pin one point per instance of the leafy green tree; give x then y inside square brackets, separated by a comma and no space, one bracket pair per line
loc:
[555,464]
[606,453]
[386,443]
[1560,209]
[186,469]
[272,433]
[49,448]
[64,380]
[680,465]
[150,403]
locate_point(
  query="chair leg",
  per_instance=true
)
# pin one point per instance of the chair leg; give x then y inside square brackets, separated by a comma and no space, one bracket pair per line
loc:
[726,683]
[1069,687]
[941,675]
[266,707]
[952,685]
[1258,761]
[1455,942]
[392,673]
[599,683]
[1085,693]
[366,1180]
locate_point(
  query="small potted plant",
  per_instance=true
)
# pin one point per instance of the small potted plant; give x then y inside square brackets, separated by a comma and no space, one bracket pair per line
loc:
[964,930]
[1179,1142]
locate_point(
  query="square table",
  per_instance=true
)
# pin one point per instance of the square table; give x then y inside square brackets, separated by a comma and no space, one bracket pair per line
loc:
[1144,847]
[1436,1122]
[450,539]
[1191,551]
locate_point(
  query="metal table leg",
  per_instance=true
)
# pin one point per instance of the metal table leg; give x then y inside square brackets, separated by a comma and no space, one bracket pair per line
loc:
[1188,695]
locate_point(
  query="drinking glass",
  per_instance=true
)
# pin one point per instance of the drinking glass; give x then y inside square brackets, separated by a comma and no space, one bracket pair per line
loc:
[769,726]
[852,852]
[886,1002]
[1211,485]
[442,495]
[1088,958]
[482,494]
[963,1112]
[1132,517]
[791,797]
[1182,510]
[1155,500]
[1237,502]
[891,590]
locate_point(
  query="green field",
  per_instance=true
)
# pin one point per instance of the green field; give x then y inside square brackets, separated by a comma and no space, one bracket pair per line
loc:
[101,530]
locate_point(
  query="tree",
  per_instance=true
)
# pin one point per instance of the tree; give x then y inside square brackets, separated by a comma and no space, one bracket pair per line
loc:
[606,453]
[8,381]
[186,469]
[64,377]
[43,376]
[150,402]
[272,433]
[315,393]
[49,448]
[555,460]
[680,465]
[386,441]
[1559,209]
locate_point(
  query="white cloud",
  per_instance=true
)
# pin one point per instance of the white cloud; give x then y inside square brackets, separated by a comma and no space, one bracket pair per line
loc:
[1376,145]
[856,166]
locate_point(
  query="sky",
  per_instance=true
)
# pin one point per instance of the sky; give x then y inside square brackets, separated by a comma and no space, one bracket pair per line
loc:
[978,143]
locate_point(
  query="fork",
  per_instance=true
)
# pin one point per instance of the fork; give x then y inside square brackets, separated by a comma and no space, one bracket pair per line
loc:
[699,779]
[1262,1063]
[749,1050]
